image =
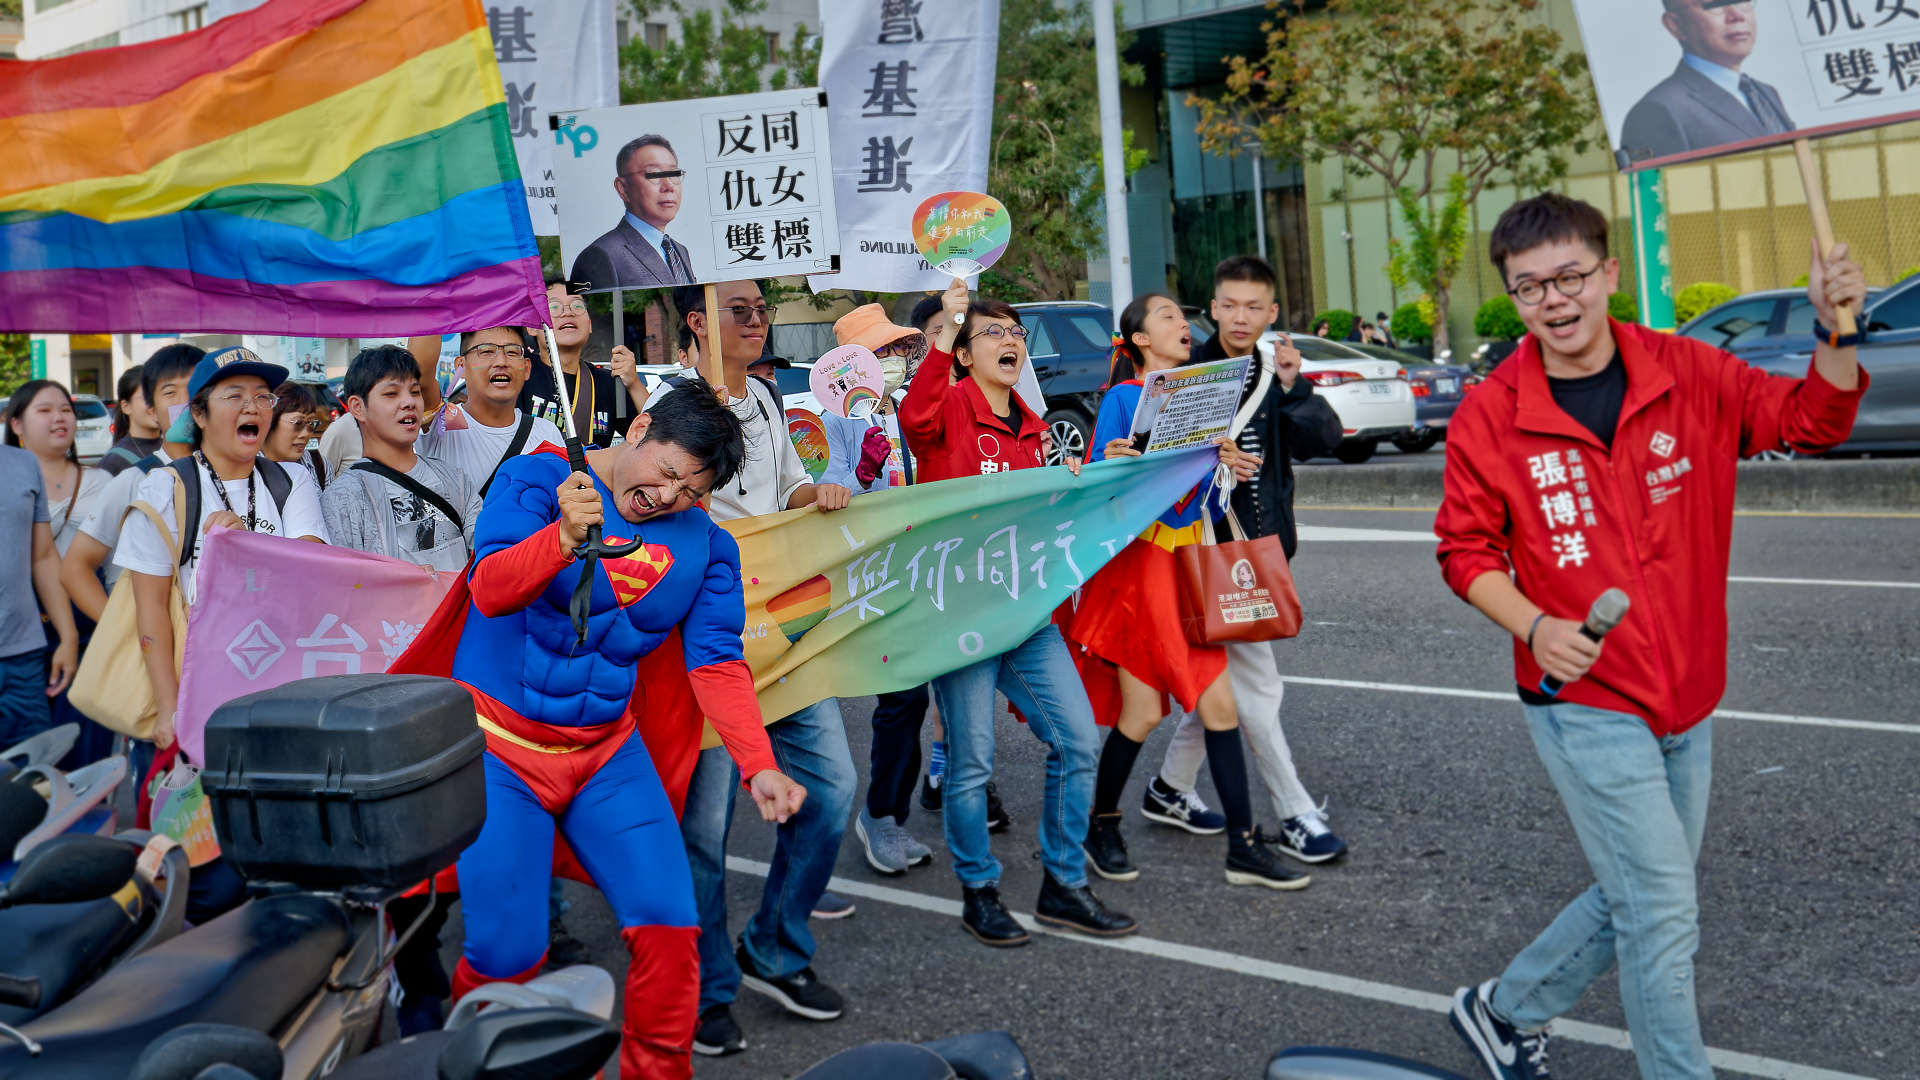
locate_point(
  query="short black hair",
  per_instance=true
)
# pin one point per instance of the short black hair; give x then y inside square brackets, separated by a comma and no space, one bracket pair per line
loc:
[466,336]
[124,391]
[1245,268]
[626,152]
[574,288]
[686,337]
[923,311]
[371,366]
[1547,218]
[980,309]
[18,403]
[169,362]
[291,396]
[696,421]
[688,299]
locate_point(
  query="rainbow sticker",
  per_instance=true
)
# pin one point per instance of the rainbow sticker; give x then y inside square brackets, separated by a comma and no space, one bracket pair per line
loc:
[962,232]
[809,437]
[844,377]
[802,607]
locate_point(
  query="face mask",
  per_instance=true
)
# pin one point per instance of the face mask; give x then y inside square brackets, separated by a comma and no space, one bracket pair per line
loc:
[894,370]
[173,413]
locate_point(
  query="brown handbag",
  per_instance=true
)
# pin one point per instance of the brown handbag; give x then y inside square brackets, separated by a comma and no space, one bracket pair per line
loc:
[1240,590]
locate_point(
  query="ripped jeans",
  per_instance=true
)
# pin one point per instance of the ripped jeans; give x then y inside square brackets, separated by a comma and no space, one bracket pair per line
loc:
[1638,803]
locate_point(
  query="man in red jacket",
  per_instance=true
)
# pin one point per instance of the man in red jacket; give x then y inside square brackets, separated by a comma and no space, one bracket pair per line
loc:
[1602,455]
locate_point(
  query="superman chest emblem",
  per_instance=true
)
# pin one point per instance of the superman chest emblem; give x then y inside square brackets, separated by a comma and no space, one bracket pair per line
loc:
[633,575]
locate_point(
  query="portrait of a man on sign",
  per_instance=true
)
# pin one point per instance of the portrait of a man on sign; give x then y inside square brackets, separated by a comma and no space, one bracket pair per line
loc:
[1708,101]
[639,252]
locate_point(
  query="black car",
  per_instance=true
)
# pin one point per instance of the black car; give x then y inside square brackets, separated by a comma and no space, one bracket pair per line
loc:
[1068,343]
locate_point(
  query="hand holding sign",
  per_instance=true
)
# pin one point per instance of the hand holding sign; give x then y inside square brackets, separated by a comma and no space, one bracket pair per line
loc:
[962,232]
[848,381]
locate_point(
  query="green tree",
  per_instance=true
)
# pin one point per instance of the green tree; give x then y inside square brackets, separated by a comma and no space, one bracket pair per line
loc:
[1415,92]
[1698,297]
[1624,307]
[1339,323]
[16,362]
[1046,147]
[1499,320]
[1411,323]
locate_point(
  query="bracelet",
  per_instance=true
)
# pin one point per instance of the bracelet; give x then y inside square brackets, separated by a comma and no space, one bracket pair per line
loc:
[1821,333]
[1531,629]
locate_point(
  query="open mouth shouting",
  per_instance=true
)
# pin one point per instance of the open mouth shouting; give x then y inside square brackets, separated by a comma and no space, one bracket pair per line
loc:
[1563,325]
[248,432]
[1009,360]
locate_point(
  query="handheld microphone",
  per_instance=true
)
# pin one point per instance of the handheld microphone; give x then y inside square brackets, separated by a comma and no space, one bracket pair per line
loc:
[1606,613]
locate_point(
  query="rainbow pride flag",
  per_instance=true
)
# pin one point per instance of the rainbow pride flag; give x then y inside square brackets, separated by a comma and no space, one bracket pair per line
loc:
[332,168]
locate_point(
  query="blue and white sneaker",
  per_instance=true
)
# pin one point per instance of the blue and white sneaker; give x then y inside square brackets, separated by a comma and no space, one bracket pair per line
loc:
[1308,839]
[832,905]
[1180,809]
[1507,1052]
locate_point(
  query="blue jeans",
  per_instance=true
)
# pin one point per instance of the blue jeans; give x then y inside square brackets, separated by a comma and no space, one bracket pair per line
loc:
[1039,678]
[25,709]
[1639,806]
[811,748]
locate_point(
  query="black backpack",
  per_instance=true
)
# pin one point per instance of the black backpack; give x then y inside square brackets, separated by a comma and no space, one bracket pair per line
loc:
[279,485]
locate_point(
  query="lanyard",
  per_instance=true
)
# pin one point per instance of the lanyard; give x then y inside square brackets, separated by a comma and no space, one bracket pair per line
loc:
[220,489]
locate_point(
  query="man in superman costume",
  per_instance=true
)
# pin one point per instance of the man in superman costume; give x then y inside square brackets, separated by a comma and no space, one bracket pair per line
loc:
[563,716]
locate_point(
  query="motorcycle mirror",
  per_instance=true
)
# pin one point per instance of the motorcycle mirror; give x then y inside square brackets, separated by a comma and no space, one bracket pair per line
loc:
[70,869]
[505,1043]
[212,1052]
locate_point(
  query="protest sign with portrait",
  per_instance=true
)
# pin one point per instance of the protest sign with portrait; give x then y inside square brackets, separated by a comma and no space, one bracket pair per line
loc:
[692,192]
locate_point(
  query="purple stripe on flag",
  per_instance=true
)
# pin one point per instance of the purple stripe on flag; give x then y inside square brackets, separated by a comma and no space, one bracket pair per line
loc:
[150,299]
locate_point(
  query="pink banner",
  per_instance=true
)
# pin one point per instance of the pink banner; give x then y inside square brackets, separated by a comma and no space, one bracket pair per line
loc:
[271,610]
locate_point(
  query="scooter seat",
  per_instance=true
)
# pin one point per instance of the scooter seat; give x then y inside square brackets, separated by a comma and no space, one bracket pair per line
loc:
[62,944]
[252,967]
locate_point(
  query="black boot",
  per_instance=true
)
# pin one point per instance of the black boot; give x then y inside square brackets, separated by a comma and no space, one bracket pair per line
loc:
[997,819]
[1251,862]
[1107,850]
[987,918]
[1078,909]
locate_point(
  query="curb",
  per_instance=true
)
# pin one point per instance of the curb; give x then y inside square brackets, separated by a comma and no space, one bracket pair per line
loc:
[1815,486]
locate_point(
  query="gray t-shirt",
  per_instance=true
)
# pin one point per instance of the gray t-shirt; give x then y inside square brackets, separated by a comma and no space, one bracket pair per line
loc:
[371,513]
[23,495]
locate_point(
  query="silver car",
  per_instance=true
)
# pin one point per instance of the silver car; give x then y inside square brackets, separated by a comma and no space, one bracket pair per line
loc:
[93,428]
[1773,330]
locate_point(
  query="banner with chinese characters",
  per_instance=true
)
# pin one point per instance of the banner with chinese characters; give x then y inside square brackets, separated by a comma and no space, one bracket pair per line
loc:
[686,192]
[271,610]
[1688,79]
[910,90]
[553,54]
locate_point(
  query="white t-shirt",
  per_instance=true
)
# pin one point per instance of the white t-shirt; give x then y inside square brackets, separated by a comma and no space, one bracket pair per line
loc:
[65,525]
[477,449]
[773,470]
[103,524]
[142,549]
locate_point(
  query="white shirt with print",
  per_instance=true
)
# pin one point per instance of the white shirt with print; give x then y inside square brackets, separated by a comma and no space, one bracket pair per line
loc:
[143,550]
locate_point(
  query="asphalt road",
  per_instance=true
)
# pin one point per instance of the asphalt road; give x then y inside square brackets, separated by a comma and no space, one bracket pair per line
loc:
[1810,956]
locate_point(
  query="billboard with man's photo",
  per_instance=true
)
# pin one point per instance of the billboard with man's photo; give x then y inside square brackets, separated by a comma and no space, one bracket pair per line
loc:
[1685,79]
[691,192]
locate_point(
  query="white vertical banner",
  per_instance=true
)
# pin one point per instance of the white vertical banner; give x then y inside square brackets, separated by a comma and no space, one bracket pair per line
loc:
[554,55]
[910,106]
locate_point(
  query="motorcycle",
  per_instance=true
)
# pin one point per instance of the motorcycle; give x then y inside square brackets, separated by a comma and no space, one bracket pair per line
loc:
[39,802]
[988,1055]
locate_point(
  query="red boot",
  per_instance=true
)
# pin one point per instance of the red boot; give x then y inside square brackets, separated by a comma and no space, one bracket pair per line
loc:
[662,1002]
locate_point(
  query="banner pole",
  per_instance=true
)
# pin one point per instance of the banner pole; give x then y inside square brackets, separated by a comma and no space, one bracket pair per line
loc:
[1822,224]
[716,374]
[619,339]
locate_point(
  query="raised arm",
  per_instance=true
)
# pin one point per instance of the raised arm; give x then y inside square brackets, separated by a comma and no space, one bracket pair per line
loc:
[522,540]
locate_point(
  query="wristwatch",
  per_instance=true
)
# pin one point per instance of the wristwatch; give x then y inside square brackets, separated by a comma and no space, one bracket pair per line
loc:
[1836,340]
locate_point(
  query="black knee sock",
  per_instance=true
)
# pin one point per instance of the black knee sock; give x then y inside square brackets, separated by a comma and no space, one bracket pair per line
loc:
[1228,762]
[1116,764]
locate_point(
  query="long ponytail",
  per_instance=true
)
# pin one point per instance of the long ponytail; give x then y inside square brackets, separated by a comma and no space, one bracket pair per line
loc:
[1126,362]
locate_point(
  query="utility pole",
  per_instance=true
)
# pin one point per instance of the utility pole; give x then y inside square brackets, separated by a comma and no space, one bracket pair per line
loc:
[1112,155]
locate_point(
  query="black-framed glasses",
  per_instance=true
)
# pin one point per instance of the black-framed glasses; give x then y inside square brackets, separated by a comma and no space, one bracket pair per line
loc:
[995,330]
[905,347]
[1569,283]
[489,353]
[744,315]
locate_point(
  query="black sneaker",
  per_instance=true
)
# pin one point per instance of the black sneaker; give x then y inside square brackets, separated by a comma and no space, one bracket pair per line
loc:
[801,993]
[1078,909]
[1251,862]
[717,1035]
[997,819]
[1507,1052]
[1181,809]
[1107,850]
[563,949]
[1308,839]
[987,919]
[930,794]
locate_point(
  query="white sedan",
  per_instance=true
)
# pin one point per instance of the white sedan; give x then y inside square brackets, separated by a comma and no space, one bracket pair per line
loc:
[1372,397]
[93,428]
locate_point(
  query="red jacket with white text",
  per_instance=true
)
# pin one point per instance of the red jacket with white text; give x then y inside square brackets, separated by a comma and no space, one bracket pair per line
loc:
[952,430]
[1531,491]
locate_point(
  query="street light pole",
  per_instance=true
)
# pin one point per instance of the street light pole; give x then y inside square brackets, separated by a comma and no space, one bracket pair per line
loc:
[1112,152]
[1259,206]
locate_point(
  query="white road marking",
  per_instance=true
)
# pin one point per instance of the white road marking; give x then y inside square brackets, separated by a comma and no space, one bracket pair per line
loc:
[1509,696]
[1366,989]
[1843,582]
[1318,533]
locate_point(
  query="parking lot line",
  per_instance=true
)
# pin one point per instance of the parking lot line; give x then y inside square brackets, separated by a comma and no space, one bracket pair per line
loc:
[1510,696]
[1842,582]
[1366,989]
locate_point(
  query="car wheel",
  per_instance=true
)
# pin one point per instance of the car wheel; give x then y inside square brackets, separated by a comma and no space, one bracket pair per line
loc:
[1777,455]
[1355,451]
[1418,442]
[1070,430]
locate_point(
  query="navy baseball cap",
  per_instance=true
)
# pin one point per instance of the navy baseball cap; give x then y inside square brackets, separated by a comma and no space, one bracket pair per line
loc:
[222,364]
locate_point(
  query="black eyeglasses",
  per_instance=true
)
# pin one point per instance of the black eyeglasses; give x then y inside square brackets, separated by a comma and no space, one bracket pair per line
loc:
[994,330]
[1569,283]
[489,353]
[745,315]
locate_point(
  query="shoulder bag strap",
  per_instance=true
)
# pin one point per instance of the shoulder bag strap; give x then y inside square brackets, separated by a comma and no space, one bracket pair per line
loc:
[279,484]
[186,504]
[518,444]
[398,478]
